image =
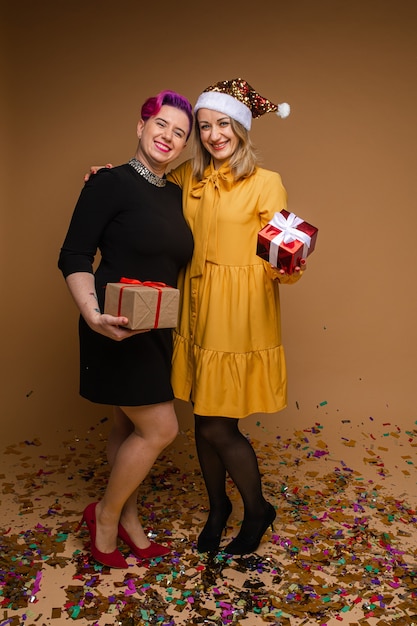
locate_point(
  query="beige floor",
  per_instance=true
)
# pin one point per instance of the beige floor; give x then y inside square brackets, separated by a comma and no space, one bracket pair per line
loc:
[343,549]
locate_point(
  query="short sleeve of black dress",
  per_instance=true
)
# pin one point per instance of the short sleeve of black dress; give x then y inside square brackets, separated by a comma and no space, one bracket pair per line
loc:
[140,232]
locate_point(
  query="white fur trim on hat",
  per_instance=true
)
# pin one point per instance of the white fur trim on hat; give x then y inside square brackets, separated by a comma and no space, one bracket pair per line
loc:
[222,102]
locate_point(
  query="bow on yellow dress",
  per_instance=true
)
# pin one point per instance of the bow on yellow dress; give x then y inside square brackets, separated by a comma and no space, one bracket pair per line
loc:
[205,220]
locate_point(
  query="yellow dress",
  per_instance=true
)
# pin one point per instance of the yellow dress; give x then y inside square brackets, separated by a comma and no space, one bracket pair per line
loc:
[228,357]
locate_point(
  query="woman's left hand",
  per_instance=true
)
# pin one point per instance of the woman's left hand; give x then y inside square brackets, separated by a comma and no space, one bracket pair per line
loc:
[94,169]
[283,277]
[298,268]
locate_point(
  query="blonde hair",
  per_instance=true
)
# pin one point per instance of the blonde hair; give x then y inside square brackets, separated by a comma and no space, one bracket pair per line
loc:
[243,161]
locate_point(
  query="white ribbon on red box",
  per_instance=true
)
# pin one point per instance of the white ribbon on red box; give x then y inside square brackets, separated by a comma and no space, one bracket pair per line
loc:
[289,233]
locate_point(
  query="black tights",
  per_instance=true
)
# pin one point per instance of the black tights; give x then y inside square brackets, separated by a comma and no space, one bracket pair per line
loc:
[221,448]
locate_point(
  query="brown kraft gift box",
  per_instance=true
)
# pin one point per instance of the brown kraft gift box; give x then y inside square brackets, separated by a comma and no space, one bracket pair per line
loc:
[146,305]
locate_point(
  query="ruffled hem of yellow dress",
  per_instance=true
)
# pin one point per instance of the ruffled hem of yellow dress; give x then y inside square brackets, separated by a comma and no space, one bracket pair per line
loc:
[221,379]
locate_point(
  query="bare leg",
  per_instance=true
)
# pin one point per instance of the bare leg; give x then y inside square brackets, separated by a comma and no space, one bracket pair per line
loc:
[122,428]
[154,427]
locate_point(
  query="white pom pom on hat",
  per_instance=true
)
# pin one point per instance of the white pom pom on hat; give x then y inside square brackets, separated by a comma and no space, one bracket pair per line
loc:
[284,110]
[240,101]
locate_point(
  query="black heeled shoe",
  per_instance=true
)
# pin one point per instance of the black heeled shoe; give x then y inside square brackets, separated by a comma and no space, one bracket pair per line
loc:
[209,541]
[249,536]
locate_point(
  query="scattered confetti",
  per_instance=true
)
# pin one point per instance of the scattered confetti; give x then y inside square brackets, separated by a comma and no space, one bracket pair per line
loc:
[343,548]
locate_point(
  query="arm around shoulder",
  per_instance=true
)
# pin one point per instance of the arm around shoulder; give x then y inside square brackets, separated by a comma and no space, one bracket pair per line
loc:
[179,174]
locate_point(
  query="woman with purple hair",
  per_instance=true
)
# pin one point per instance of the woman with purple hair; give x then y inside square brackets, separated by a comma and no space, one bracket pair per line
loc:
[133,215]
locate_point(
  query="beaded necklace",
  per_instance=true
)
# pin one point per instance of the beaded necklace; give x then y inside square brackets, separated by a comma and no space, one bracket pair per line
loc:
[147,174]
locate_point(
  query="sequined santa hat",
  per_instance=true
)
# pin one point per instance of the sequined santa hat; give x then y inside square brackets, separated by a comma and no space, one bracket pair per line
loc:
[237,99]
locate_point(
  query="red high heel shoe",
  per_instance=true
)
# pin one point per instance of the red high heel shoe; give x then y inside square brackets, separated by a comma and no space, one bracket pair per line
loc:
[111,559]
[151,552]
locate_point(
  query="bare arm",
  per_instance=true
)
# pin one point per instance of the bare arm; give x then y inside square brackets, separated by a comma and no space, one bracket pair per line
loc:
[83,291]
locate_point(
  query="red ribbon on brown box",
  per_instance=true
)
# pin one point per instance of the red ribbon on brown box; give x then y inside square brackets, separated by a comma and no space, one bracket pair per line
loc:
[132,282]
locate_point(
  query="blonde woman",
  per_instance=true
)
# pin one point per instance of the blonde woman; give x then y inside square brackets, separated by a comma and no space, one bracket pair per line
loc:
[228,355]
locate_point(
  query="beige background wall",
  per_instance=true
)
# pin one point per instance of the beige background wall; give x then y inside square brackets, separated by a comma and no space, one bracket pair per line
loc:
[74,77]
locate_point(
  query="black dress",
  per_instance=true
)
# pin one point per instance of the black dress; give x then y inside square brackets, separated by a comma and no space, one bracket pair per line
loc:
[141,233]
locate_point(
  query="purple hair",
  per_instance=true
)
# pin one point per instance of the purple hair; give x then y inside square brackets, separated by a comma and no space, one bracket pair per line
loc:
[153,105]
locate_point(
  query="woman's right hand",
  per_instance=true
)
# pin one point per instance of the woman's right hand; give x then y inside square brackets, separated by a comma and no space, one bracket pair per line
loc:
[112,327]
[94,169]
[82,289]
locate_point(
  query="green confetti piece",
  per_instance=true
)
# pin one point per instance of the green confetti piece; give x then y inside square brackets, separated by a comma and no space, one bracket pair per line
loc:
[75,611]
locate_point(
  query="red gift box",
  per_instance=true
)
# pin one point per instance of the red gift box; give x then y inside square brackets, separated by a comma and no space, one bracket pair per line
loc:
[286,240]
[146,305]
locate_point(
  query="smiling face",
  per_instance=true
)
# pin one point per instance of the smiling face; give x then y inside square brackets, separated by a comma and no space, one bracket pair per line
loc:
[217,135]
[162,138]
